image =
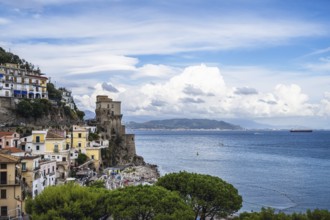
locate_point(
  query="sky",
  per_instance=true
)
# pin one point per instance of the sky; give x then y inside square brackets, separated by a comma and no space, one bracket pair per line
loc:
[266,61]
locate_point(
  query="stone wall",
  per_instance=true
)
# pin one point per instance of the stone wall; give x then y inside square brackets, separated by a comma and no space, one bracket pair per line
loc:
[130,144]
[7,102]
[7,105]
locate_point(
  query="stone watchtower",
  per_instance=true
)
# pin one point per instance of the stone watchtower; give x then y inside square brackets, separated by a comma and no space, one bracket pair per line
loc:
[108,119]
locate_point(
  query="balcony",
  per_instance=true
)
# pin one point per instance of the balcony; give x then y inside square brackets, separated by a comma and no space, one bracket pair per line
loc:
[38,142]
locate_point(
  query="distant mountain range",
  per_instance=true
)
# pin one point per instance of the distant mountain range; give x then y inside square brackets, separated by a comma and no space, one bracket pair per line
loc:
[184,124]
[89,115]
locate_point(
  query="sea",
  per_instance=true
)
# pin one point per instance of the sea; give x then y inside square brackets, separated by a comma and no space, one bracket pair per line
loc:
[287,171]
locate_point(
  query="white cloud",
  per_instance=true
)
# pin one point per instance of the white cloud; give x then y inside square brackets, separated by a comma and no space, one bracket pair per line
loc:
[189,92]
[157,71]
[325,105]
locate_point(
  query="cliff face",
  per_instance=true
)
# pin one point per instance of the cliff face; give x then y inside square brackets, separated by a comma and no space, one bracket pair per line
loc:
[56,116]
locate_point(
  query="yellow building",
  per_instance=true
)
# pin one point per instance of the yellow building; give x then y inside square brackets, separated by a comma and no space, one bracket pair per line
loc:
[94,153]
[56,148]
[11,200]
[79,137]
[38,142]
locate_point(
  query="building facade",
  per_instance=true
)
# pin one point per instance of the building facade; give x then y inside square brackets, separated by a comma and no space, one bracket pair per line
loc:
[11,197]
[20,83]
[9,139]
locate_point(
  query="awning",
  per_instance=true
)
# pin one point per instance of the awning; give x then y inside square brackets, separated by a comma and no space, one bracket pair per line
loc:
[20,92]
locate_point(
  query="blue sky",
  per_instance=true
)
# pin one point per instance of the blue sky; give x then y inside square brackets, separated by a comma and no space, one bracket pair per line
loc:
[261,60]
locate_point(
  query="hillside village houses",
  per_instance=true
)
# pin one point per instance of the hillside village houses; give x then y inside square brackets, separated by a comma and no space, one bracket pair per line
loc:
[47,157]
[42,159]
[20,83]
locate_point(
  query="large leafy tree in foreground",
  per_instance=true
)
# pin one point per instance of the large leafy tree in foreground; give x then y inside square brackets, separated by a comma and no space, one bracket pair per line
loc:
[146,203]
[208,196]
[68,201]
[270,214]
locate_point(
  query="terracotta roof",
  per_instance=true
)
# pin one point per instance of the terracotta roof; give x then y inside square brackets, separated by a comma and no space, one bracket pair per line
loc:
[13,149]
[55,135]
[6,133]
[29,157]
[6,158]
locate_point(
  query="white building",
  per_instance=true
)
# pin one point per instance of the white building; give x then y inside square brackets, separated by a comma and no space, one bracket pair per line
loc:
[20,83]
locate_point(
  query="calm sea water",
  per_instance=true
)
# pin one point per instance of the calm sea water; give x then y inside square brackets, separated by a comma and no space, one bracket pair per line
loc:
[278,169]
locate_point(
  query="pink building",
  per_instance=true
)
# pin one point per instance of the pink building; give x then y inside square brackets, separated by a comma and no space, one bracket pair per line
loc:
[9,139]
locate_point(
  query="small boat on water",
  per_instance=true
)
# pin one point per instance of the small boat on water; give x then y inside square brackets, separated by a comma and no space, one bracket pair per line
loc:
[301,130]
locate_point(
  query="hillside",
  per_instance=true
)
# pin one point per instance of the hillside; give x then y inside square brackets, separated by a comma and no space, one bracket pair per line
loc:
[184,124]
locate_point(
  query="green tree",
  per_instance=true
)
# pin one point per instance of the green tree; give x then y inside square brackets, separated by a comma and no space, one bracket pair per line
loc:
[82,158]
[93,136]
[207,195]
[24,108]
[54,93]
[146,203]
[97,184]
[80,114]
[270,214]
[69,201]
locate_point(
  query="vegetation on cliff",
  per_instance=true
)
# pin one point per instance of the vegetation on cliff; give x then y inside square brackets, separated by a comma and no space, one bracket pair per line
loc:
[8,57]
[52,110]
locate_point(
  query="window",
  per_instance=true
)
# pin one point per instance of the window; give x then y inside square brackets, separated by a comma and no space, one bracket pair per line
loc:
[53,168]
[3,194]
[23,166]
[38,139]
[48,171]
[55,148]
[0,140]
[63,158]
[79,144]
[3,166]
[7,143]
[3,177]
[0,146]
[4,211]
[37,147]
[79,135]
[25,139]
[93,157]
